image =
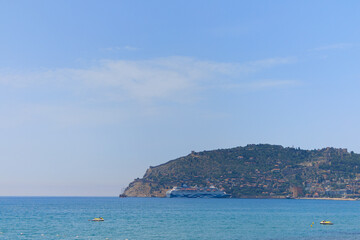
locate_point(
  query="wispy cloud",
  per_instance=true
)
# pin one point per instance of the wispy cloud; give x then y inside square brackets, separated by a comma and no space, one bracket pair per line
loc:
[144,79]
[333,46]
[263,84]
[131,48]
[112,90]
[273,83]
[268,63]
[124,48]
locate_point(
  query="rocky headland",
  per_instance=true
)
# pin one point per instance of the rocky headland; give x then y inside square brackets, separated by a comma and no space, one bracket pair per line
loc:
[258,171]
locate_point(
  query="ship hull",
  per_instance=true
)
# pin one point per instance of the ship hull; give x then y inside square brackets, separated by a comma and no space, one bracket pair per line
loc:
[196,194]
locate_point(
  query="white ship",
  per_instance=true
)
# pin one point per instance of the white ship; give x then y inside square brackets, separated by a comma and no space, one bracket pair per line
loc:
[196,192]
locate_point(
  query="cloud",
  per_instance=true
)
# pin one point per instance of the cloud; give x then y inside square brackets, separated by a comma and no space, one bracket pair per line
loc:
[273,84]
[115,89]
[124,48]
[333,46]
[130,48]
[268,63]
[168,78]
[263,84]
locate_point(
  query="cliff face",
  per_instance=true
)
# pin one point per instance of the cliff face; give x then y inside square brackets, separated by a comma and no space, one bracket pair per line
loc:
[143,188]
[251,171]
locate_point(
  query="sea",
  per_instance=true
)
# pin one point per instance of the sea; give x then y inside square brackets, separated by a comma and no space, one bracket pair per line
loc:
[180,218]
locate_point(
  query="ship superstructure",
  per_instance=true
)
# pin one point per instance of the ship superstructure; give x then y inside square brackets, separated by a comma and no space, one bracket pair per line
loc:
[196,192]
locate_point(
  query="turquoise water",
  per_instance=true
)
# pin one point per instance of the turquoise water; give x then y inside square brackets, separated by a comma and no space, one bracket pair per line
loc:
[152,218]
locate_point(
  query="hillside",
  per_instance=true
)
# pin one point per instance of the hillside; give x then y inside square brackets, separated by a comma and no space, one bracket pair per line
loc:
[260,171]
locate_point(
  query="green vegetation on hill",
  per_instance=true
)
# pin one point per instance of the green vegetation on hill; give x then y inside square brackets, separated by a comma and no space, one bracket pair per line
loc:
[257,171]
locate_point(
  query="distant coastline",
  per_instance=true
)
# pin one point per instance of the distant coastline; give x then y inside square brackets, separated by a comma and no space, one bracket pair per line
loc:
[336,199]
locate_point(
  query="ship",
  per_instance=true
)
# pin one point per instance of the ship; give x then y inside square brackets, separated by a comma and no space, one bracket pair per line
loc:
[196,192]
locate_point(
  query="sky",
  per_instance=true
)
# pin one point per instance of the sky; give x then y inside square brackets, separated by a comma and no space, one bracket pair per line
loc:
[92,93]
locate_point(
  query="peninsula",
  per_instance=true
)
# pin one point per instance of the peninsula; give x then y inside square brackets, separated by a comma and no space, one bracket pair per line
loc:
[258,171]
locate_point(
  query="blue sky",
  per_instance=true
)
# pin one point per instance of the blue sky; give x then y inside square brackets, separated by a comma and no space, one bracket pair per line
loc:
[92,93]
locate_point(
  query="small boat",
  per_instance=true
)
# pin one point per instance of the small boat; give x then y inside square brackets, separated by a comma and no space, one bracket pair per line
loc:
[99,219]
[323,222]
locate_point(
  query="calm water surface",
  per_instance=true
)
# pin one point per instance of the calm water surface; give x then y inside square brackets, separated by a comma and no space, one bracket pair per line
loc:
[152,218]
